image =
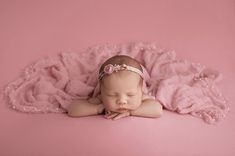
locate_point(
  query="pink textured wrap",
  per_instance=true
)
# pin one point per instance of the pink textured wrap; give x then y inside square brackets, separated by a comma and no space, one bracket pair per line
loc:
[50,84]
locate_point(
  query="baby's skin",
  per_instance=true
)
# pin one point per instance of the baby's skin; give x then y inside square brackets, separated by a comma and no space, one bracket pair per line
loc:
[121,96]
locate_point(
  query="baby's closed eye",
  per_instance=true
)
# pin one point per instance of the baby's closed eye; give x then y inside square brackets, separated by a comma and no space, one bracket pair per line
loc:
[131,94]
[114,95]
[111,95]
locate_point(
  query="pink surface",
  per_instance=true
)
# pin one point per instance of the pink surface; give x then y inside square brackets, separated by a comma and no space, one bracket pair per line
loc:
[200,31]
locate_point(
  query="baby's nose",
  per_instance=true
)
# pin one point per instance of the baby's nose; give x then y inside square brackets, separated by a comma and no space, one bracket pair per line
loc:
[122,101]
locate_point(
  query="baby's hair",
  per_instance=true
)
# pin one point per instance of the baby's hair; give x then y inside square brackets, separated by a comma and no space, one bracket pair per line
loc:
[121,59]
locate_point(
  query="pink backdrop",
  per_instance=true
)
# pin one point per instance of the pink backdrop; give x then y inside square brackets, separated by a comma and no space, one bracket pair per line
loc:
[198,30]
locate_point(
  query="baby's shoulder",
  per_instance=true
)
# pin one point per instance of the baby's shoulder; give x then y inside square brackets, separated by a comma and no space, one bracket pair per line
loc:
[146,96]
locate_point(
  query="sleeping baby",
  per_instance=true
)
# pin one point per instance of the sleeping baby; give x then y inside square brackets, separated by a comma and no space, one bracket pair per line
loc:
[121,92]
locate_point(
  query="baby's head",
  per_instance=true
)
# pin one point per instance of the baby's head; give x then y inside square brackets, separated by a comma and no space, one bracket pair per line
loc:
[121,80]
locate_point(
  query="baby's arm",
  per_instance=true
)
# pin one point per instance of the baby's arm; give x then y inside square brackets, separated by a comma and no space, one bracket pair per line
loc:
[149,108]
[88,107]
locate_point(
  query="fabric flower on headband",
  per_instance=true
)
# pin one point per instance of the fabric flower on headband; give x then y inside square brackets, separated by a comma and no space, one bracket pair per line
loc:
[109,69]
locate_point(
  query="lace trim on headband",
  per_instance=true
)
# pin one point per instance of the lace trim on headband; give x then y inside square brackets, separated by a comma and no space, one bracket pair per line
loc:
[109,69]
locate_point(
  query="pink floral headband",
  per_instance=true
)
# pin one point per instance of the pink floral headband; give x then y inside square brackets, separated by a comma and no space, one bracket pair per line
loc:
[109,69]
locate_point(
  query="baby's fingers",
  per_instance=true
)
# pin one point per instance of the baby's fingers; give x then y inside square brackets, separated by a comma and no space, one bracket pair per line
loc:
[112,115]
[122,115]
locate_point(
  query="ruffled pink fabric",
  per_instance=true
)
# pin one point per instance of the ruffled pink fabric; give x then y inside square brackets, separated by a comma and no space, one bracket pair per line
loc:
[50,84]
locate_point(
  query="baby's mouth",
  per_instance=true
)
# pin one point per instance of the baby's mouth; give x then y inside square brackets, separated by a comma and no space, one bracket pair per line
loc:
[122,110]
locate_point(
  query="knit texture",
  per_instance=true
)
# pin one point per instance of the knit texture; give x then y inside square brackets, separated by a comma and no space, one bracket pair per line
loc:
[51,84]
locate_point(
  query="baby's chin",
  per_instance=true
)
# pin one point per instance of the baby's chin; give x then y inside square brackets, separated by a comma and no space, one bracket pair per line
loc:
[119,110]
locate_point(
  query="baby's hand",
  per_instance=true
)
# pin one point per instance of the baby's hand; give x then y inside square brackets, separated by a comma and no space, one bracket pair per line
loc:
[115,115]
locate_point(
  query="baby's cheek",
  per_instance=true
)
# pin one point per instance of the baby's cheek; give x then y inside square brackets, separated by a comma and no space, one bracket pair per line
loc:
[136,103]
[108,104]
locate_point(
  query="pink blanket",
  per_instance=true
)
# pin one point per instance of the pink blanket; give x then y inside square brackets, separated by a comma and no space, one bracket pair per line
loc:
[51,84]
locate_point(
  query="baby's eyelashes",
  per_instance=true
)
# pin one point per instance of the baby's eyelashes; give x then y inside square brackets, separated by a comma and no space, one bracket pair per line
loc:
[116,95]
[131,95]
[111,95]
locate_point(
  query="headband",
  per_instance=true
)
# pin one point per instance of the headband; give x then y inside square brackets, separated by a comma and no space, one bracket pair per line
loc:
[109,69]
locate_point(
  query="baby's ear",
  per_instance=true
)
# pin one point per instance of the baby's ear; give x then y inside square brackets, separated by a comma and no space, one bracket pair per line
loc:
[213,74]
[144,87]
[141,82]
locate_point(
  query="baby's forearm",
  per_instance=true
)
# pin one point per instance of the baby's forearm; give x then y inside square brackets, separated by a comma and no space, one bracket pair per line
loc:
[148,108]
[84,108]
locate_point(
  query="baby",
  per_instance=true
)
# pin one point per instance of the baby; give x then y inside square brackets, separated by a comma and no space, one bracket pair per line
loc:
[121,92]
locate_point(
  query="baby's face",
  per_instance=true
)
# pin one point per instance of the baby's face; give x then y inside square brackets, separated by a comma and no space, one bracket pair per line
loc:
[121,90]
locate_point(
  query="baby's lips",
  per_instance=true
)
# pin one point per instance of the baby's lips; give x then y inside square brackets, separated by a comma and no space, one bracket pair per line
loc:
[123,108]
